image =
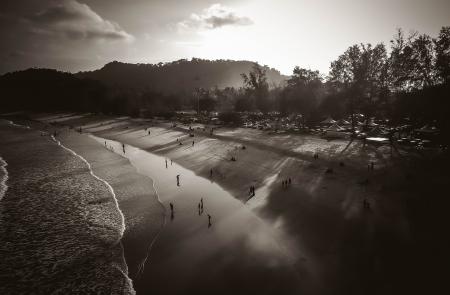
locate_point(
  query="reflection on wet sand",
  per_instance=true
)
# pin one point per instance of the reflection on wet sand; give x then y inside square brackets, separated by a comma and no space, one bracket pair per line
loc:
[212,240]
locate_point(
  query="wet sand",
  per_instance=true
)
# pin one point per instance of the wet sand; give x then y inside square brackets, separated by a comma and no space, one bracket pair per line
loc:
[237,253]
[144,215]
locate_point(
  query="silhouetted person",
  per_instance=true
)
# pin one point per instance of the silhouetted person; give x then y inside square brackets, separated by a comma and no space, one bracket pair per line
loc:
[210,173]
[166,163]
[192,143]
[178,180]
[149,132]
[123,147]
[201,204]
[171,207]
[105,143]
[209,220]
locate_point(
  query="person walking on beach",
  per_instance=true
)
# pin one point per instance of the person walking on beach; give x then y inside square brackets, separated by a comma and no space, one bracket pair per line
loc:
[192,143]
[210,172]
[105,143]
[123,147]
[178,179]
[166,163]
[201,204]
[172,215]
[209,220]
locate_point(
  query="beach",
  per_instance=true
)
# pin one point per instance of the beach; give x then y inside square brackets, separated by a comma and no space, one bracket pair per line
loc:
[316,235]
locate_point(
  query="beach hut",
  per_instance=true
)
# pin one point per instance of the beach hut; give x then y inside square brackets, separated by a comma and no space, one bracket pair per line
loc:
[328,121]
[335,131]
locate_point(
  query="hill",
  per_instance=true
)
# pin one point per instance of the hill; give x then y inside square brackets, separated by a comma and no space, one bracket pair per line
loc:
[178,76]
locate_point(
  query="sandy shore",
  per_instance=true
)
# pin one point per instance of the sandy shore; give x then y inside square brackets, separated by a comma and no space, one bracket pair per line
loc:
[144,215]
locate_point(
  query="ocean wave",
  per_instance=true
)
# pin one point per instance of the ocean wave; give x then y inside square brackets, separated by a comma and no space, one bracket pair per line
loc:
[116,203]
[3,185]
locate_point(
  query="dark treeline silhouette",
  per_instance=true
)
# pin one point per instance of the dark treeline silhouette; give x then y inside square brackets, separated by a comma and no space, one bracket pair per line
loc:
[409,81]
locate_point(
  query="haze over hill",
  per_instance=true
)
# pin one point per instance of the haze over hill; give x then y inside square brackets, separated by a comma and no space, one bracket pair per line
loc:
[179,76]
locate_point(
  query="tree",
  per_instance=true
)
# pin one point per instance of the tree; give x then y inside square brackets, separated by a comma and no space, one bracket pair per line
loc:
[301,93]
[362,74]
[442,47]
[257,88]
[422,60]
[412,61]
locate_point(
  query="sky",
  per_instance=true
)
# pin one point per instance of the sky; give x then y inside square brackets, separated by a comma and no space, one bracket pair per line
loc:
[78,35]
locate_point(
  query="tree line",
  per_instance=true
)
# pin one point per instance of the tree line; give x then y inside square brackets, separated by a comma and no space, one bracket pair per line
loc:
[408,79]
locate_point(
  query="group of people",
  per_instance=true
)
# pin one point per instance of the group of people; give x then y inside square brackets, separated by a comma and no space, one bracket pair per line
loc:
[200,207]
[252,191]
[285,183]
[200,211]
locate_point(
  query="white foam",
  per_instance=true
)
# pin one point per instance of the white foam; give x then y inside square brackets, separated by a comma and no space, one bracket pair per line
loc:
[3,185]
[122,229]
[150,246]
[18,125]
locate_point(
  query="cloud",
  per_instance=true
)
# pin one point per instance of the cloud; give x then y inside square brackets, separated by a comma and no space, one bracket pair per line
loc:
[213,17]
[76,21]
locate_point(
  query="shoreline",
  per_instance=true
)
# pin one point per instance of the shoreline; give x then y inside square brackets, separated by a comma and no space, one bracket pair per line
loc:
[99,258]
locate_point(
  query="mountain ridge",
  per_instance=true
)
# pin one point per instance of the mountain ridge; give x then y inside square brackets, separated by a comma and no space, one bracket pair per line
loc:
[179,76]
